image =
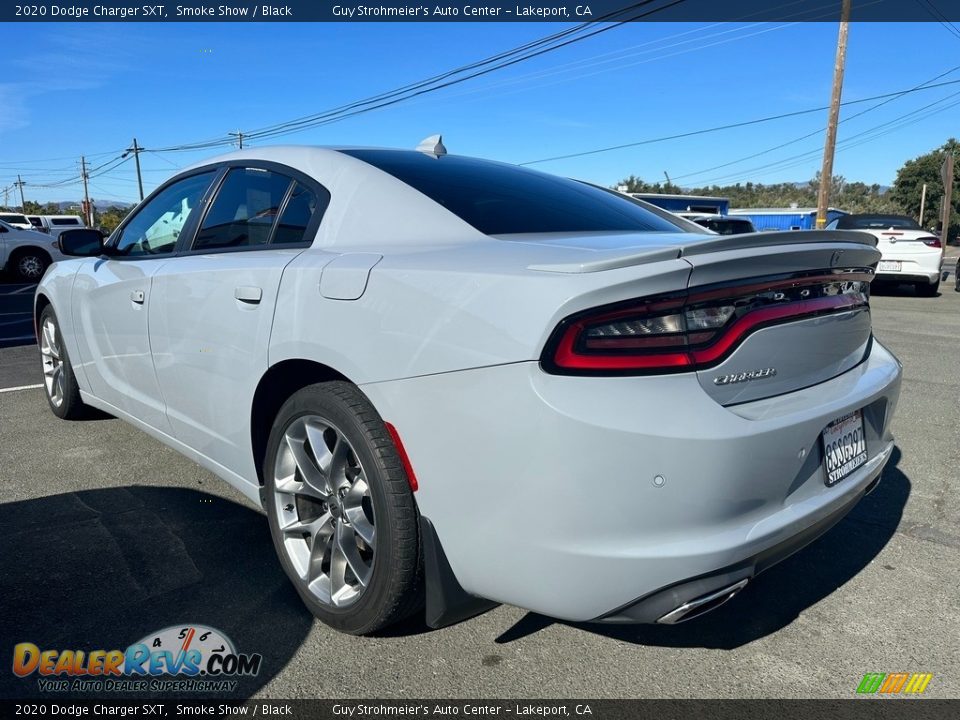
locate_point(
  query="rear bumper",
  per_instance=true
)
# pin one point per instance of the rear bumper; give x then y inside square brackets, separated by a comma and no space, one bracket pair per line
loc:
[714,588]
[575,497]
[911,277]
[914,267]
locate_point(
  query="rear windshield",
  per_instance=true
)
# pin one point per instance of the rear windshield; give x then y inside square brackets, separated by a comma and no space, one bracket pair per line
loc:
[868,222]
[727,227]
[499,199]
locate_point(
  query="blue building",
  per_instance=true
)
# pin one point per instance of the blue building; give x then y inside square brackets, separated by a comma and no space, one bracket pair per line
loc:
[686,203]
[785,218]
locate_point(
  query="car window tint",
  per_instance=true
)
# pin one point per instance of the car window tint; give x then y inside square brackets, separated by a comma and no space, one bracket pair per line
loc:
[498,199]
[296,216]
[243,213]
[155,227]
[877,222]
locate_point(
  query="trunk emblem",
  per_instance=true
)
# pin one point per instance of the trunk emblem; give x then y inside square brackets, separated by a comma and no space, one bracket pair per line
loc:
[745,376]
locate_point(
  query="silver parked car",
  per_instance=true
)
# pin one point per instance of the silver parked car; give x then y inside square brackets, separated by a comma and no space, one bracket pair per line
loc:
[26,254]
[460,382]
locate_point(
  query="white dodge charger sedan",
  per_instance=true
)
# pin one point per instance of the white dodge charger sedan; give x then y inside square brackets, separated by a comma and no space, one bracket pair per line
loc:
[452,382]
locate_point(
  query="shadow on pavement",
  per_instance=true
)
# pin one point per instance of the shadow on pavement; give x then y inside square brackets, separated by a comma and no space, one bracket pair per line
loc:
[102,569]
[778,596]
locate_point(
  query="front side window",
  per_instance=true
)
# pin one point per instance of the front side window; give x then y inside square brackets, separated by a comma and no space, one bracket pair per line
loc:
[154,229]
[244,211]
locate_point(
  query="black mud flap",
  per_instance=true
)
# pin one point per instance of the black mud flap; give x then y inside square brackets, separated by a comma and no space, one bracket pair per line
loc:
[447,603]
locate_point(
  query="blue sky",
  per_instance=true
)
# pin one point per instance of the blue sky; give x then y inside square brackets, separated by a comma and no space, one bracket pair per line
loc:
[70,89]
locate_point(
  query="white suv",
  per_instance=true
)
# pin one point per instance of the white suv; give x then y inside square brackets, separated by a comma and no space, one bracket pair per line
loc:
[910,254]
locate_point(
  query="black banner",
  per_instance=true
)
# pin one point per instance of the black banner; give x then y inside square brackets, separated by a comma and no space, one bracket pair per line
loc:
[477,11]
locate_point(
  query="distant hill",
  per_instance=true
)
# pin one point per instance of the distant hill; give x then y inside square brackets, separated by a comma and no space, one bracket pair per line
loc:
[68,206]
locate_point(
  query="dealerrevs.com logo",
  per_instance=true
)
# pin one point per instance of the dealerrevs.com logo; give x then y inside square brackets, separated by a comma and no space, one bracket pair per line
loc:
[181,658]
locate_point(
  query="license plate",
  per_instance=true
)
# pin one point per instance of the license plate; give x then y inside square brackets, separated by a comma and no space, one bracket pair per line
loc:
[889,266]
[844,447]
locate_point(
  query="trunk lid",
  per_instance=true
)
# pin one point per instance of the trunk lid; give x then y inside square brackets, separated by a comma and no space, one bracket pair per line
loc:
[780,357]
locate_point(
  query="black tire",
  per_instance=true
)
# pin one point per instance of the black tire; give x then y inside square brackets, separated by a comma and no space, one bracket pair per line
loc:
[928,289]
[395,587]
[29,264]
[70,406]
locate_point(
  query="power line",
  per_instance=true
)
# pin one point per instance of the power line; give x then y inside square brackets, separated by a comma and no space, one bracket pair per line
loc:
[939,17]
[815,132]
[730,126]
[890,125]
[479,68]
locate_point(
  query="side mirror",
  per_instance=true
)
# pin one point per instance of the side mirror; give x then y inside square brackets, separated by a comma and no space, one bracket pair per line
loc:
[81,243]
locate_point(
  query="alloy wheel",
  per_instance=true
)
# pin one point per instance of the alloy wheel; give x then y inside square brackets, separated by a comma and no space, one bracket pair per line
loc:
[324,510]
[51,354]
[30,267]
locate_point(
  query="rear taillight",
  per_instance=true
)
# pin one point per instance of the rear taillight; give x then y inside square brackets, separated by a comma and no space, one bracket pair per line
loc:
[694,329]
[931,241]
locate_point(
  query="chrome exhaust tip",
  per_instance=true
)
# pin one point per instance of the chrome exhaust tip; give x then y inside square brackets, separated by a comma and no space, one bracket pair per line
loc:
[703,604]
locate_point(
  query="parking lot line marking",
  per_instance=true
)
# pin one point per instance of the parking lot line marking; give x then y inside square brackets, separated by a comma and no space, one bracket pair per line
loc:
[23,289]
[21,387]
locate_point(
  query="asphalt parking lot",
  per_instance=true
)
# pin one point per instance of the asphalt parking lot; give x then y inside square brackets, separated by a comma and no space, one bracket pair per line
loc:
[107,536]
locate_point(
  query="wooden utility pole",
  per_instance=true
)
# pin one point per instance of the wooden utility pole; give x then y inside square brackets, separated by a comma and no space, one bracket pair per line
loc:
[87,210]
[923,202]
[23,204]
[239,136]
[946,174]
[136,150]
[826,170]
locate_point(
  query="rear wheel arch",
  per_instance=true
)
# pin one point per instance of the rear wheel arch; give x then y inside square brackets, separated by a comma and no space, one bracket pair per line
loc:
[275,387]
[39,306]
[19,252]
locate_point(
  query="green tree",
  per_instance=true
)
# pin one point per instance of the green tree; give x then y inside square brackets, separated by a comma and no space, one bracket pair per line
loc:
[112,216]
[908,186]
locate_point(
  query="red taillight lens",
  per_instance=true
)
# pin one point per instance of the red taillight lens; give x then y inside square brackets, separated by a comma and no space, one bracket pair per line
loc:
[695,329]
[931,241]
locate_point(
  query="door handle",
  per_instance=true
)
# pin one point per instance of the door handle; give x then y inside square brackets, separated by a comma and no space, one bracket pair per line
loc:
[138,297]
[248,294]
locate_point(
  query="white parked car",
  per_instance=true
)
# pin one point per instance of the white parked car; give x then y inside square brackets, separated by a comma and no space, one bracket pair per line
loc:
[458,382]
[26,254]
[17,220]
[909,254]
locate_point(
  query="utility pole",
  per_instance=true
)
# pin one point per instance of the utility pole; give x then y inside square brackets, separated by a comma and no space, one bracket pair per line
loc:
[19,183]
[136,150]
[946,174]
[239,136]
[923,202]
[668,178]
[826,170]
[87,210]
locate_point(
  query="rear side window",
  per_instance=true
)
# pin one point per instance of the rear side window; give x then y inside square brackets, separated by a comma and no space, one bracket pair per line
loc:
[500,199]
[296,216]
[65,221]
[244,211]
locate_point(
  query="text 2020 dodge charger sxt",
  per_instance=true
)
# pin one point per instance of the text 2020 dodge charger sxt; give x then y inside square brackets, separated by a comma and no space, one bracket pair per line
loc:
[460,382]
